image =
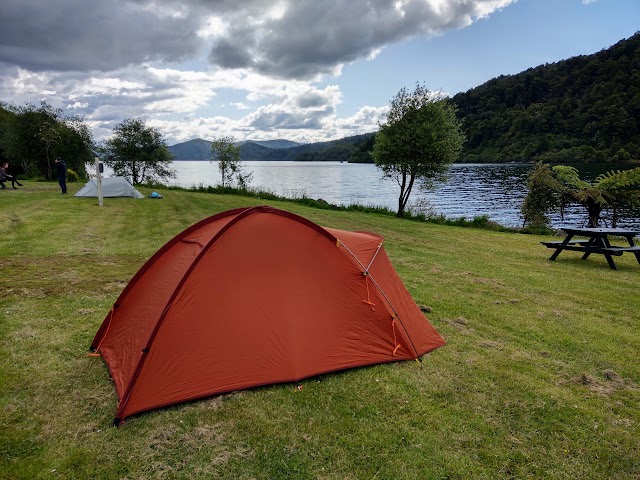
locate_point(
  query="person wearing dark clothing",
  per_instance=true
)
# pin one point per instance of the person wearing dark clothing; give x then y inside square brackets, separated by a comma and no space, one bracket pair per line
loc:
[4,176]
[61,170]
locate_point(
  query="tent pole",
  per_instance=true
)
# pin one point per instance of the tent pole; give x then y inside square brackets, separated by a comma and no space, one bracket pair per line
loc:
[365,271]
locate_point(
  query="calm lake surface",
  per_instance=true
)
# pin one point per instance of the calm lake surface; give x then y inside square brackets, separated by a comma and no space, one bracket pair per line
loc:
[495,190]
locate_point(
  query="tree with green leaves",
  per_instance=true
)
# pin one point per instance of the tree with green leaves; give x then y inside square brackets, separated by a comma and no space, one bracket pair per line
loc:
[49,134]
[542,197]
[225,151]
[34,136]
[137,152]
[421,138]
[554,188]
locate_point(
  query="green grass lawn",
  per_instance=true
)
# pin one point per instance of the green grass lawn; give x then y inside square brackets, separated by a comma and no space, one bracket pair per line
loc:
[540,377]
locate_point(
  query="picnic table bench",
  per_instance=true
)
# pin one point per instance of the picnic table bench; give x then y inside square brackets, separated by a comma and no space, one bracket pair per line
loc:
[597,242]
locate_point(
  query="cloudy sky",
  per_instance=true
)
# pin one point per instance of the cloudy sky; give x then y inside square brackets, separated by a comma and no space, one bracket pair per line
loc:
[302,70]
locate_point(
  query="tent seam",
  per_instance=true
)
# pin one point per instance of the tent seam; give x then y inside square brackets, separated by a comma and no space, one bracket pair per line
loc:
[127,394]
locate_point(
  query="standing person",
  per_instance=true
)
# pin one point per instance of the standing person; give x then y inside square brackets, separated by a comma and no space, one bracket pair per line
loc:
[4,176]
[61,169]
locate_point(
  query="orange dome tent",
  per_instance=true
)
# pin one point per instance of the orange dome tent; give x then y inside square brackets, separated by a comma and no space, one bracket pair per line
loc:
[255,296]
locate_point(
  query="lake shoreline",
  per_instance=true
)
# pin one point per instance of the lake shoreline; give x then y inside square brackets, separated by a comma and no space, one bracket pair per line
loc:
[471,190]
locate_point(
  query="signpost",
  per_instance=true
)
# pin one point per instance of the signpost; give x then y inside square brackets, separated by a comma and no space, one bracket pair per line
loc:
[99,170]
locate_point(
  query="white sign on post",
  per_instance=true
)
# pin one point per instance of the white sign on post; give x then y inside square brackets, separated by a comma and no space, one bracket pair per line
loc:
[99,181]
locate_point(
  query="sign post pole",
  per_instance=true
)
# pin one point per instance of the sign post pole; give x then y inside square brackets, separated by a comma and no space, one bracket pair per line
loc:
[99,181]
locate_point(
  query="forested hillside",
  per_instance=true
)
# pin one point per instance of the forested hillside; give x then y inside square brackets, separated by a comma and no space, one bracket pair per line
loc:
[335,150]
[586,108]
[196,149]
[199,149]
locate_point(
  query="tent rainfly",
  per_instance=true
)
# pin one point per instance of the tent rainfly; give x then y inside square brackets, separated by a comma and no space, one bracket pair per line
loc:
[111,187]
[256,296]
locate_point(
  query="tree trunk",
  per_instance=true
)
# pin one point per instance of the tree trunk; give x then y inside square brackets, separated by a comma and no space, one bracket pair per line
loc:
[405,191]
[402,204]
[594,214]
[614,218]
[400,212]
[46,151]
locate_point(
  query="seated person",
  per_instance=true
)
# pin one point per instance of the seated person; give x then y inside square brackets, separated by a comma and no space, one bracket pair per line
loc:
[4,176]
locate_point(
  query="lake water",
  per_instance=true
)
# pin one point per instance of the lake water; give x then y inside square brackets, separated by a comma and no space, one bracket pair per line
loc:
[495,190]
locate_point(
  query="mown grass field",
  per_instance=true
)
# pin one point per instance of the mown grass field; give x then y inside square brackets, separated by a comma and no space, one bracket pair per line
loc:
[540,377]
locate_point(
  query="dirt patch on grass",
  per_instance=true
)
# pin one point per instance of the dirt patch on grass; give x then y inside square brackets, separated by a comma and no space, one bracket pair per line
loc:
[170,449]
[212,403]
[490,344]
[39,277]
[116,285]
[460,323]
[605,383]
[425,309]
[27,332]
[511,301]
[24,292]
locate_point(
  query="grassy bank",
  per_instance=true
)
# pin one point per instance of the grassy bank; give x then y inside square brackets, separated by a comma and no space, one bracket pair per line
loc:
[422,212]
[539,378]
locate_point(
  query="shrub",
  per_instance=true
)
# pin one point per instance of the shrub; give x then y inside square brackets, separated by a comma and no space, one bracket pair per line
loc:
[72,176]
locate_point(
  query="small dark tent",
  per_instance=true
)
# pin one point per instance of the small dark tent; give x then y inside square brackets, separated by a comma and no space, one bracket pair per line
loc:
[251,297]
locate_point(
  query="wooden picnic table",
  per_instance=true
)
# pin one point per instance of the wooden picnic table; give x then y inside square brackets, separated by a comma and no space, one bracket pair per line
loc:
[597,242]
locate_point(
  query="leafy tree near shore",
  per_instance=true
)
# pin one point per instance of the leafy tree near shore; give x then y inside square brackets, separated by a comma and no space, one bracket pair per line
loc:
[137,152]
[225,151]
[33,137]
[542,197]
[553,188]
[421,138]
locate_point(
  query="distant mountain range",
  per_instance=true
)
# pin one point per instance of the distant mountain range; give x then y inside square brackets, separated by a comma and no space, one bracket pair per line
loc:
[199,149]
[335,150]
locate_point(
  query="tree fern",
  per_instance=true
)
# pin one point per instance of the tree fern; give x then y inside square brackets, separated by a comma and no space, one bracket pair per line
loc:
[556,187]
[620,180]
[569,176]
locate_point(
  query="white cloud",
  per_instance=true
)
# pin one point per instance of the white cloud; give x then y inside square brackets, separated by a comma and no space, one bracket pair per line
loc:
[284,38]
[148,59]
[213,26]
[77,106]
[308,38]
[240,106]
